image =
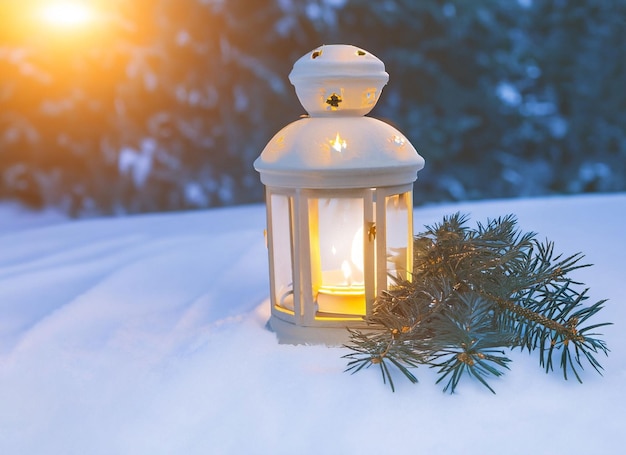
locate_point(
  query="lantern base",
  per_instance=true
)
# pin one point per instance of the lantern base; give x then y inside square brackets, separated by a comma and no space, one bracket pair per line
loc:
[288,333]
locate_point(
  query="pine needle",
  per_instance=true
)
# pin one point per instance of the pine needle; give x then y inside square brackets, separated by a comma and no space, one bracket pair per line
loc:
[473,294]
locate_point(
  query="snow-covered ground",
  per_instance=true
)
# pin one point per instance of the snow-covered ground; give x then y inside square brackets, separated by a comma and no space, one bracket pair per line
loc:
[14,217]
[145,335]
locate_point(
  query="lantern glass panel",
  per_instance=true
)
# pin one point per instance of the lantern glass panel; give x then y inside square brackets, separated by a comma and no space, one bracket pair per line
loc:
[281,237]
[399,238]
[337,255]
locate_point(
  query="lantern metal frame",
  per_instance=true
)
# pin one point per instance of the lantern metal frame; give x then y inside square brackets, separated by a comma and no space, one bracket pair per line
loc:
[336,167]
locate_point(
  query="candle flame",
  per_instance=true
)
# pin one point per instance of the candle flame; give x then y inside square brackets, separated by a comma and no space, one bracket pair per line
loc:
[347,271]
[356,252]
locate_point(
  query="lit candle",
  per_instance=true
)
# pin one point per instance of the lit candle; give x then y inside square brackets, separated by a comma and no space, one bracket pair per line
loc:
[343,290]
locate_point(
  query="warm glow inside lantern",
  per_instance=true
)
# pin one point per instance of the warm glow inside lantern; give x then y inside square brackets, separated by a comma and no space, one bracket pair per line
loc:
[339,189]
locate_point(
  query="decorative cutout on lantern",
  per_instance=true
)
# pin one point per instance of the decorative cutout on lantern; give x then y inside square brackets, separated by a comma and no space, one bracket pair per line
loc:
[333,100]
[338,144]
[339,226]
[398,140]
[369,96]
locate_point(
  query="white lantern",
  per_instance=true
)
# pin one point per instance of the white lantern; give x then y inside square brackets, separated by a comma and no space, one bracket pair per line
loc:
[339,194]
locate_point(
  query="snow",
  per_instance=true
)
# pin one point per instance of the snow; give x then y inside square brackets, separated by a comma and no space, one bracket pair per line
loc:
[146,335]
[16,217]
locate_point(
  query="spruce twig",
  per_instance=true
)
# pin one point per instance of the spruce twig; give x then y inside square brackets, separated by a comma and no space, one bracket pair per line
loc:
[474,293]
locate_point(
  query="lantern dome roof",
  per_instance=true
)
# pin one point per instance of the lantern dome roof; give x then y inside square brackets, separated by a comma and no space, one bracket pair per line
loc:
[337,146]
[345,152]
[337,80]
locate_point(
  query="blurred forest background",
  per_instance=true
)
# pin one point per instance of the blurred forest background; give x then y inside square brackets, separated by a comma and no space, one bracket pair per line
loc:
[155,105]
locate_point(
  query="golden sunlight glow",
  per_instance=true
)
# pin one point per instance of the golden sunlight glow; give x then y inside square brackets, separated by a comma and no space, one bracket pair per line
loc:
[67,13]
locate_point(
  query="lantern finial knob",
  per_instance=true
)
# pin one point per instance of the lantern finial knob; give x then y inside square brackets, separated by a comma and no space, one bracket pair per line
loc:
[338,80]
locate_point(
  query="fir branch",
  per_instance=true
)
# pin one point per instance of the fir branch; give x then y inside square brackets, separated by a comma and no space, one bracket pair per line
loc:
[472,294]
[373,349]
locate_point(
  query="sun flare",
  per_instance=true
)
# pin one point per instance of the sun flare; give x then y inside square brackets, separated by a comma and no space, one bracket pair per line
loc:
[67,13]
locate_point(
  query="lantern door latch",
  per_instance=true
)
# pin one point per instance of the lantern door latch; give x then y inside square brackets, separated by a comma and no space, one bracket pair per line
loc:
[371,232]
